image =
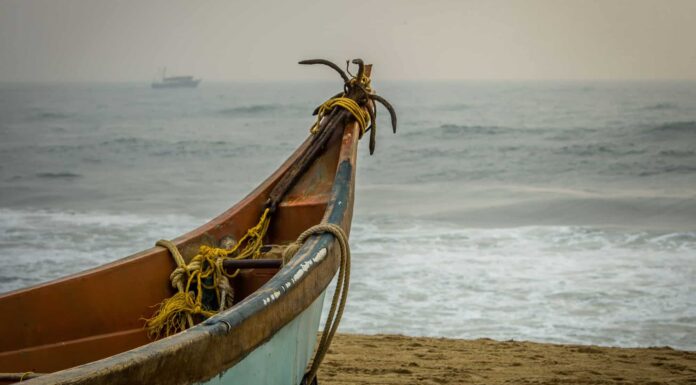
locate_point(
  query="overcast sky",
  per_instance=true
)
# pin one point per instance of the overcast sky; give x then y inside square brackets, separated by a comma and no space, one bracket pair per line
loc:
[108,40]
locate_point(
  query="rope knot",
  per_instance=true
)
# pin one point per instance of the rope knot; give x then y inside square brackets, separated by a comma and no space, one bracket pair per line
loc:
[203,288]
[177,276]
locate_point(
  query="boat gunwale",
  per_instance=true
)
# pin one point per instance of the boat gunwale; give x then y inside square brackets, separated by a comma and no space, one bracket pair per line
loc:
[277,302]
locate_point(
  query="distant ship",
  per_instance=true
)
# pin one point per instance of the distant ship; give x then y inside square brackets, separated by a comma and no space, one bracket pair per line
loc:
[176,81]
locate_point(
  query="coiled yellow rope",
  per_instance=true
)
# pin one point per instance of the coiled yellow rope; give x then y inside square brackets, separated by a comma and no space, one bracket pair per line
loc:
[205,272]
[359,113]
[361,116]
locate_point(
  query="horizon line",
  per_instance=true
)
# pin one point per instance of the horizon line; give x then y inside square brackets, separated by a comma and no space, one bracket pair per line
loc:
[390,80]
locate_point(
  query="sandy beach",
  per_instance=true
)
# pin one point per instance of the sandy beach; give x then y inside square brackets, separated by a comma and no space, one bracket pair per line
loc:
[394,359]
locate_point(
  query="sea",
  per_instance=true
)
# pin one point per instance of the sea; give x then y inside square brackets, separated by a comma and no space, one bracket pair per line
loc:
[554,211]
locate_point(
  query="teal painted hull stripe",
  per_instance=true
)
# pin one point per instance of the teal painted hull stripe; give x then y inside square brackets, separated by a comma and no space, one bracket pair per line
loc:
[282,359]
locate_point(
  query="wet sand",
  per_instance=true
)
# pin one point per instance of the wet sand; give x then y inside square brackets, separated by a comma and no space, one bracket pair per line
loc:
[390,359]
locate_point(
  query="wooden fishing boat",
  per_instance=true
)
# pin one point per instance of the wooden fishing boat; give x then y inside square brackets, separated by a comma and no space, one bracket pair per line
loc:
[88,328]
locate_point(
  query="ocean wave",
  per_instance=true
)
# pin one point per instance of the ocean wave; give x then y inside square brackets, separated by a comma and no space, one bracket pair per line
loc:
[251,109]
[453,107]
[128,145]
[40,219]
[677,153]
[50,115]
[40,245]
[58,175]
[163,148]
[130,141]
[669,169]
[685,127]
[520,280]
[125,140]
[555,209]
[192,148]
[593,149]
[660,106]
[100,151]
[455,129]
[574,134]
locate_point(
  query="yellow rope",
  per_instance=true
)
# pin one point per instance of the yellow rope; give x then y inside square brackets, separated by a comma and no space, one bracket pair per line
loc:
[338,302]
[205,272]
[361,116]
[359,113]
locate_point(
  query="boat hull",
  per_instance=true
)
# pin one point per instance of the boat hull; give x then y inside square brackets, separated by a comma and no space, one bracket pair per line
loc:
[280,318]
[268,336]
[289,352]
[179,84]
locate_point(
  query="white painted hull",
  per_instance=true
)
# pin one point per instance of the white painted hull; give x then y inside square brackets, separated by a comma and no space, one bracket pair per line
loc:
[283,359]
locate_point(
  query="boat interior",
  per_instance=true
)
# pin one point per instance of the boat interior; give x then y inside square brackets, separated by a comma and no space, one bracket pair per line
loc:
[101,312]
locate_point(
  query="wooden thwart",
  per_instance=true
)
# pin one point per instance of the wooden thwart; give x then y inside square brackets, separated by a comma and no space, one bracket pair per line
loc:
[232,264]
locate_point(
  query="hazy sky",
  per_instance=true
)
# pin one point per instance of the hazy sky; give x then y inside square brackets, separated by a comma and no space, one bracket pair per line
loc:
[109,40]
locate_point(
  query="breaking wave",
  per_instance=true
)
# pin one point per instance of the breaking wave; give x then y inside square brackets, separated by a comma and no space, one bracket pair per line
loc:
[532,283]
[40,245]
